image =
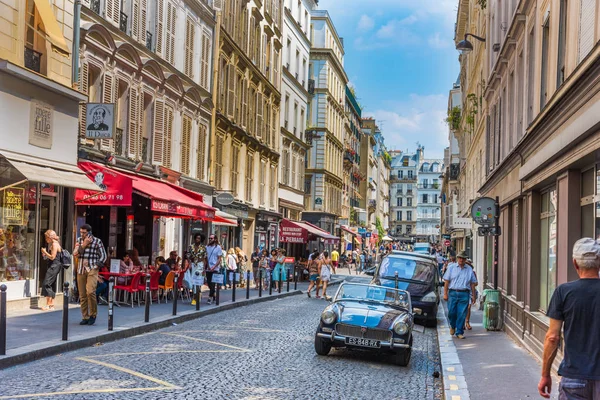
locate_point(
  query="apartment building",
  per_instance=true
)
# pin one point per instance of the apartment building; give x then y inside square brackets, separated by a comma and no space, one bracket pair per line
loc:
[382,174]
[294,97]
[352,176]
[541,134]
[245,147]
[428,200]
[324,175]
[368,163]
[403,194]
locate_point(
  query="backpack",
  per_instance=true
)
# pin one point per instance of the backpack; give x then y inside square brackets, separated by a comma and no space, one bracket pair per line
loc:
[65,258]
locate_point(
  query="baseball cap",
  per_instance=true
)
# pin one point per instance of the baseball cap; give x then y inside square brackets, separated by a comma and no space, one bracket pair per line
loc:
[586,249]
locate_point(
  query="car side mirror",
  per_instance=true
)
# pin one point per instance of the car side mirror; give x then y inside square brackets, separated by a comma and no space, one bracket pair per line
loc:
[370,272]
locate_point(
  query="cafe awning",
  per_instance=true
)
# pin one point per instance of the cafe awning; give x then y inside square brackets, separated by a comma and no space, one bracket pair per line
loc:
[302,232]
[117,187]
[61,175]
[348,230]
[223,219]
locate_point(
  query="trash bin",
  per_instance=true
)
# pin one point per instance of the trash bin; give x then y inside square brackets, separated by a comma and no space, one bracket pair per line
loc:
[492,318]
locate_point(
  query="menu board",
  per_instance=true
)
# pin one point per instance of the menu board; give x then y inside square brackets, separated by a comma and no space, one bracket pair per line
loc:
[13,200]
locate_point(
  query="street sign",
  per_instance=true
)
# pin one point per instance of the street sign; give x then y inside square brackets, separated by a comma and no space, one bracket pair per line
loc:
[362,230]
[483,211]
[488,231]
[368,234]
[447,243]
[446,236]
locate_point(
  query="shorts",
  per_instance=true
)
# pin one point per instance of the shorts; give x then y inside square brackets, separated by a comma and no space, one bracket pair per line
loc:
[314,277]
[335,263]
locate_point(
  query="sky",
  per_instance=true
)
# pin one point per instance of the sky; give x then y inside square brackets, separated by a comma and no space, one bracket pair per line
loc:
[400,57]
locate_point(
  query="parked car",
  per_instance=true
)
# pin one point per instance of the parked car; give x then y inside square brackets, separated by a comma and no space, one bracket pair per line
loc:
[368,317]
[418,274]
[423,248]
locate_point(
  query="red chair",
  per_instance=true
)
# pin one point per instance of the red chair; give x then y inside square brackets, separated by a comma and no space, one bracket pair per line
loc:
[154,277]
[133,287]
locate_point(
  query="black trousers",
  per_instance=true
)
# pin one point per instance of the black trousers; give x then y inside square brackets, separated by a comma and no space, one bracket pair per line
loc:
[211,285]
[50,280]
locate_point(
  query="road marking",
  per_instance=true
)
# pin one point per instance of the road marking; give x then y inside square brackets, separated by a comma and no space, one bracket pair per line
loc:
[450,369]
[143,353]
[206,341]
[455,397]
[130,372]
[452,377]
[453,387]
[245,328]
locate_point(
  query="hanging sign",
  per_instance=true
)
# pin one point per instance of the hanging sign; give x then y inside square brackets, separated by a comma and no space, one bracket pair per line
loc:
[101,121]
[13,201]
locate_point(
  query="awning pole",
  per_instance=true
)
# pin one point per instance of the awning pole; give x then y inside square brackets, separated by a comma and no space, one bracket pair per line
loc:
[13,184]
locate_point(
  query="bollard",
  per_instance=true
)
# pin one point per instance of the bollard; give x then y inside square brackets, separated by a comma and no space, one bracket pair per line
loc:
[280,281]
[247,285]
[396,280]
[111,299]
[270,273]
[3,320]
[233,287]
[148,299]
[198,297]
[217,294]
[295,279]
[288,280]
[260,282]
[65,319]
[175,293]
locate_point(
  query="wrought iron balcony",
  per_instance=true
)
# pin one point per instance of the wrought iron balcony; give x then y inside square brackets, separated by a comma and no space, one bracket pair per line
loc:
[95,6]
[119,141]
[33,60]
[144,149]
[454,171]
[149,41]
[123,22]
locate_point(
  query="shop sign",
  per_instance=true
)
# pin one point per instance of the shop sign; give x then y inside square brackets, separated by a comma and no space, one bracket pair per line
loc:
[224,198]
[260,228]
[12,206]
[40,125]
[101,121]
[117,188]
[173,208]
[239,210]
[292,233]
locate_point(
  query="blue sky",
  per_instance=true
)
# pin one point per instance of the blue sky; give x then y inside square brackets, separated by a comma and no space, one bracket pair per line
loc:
[401,59]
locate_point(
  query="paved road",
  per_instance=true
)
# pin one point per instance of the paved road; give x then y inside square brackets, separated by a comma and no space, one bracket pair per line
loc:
[263,351]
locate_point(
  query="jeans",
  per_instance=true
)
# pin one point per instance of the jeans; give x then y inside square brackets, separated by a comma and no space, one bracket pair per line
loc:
[458,303]
[578,389]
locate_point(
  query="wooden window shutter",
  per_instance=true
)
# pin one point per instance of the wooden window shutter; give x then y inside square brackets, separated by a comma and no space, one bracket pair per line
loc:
[274,127]
[189,48]
[168,132]
[235,158]
[587,28]
[245,89]
[267,123]
[231,90]
[244,28]
[133,117]
[286,167]
[272,190]
[84,74]
[204,71]
[143,21]
[158,138]
[186,138]
[259,115]
[170,45]
[294,171]
[142,153]
[201,153]
[159,26]
[263,62]
[250,51]
[110,6]
[113,11]
[219,163]
[135,21]
[108,96]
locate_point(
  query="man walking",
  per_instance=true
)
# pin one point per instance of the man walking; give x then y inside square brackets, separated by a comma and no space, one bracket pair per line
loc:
[576,305]
[91,255]
[214,253]
[459,291]
[335,258]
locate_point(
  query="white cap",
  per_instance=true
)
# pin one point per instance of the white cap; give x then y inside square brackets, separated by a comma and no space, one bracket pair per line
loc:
[586,249]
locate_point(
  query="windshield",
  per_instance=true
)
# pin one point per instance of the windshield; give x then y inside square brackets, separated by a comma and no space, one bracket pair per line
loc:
[350,291]
[406,269]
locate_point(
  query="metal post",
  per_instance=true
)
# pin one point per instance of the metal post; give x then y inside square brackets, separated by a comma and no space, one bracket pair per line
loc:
[496,229]
[233,286]
[218,288]
[260,282]
[65,319]
[295,279]
[3,320]
[148,299]
[111,300]
[175,293]
[270,273]
[288,280]
[198,297]
[280,282]
[247,285]
[396,280]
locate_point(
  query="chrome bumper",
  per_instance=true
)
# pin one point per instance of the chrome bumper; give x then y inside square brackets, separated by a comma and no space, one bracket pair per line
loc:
[333,337]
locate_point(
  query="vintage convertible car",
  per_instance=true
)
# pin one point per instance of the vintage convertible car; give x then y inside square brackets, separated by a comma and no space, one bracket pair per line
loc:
[368,317]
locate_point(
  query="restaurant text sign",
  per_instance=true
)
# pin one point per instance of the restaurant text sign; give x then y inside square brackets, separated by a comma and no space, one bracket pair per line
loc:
[172,208]
[12,205]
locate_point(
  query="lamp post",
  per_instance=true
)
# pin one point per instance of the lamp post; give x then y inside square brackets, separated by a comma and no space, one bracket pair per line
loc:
[464,46]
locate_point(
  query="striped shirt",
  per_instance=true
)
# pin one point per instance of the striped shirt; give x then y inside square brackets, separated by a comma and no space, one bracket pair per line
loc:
[91,256]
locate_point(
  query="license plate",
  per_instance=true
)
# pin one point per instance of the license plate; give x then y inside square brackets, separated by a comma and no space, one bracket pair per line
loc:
[363,342]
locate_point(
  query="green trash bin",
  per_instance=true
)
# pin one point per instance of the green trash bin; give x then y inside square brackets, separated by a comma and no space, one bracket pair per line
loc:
[492,317]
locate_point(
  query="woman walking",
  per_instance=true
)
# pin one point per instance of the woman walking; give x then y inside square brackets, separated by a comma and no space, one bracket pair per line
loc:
[313,272]
[51,253]
[326,268]
[232,265]
[280,274]
[263,266]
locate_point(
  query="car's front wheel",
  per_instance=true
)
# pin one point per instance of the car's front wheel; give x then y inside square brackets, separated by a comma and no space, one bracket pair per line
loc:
[403,357]
[322,346]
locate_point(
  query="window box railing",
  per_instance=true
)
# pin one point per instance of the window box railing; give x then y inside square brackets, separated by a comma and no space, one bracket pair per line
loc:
[149,41]
[33,60]
[123,22]
[119,141]
[95,6]
[144,149]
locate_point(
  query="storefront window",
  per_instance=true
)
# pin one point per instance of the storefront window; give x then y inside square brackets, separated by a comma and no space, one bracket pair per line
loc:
[548,248]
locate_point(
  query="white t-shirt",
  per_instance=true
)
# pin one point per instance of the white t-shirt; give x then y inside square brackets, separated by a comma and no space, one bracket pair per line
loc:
[213,253]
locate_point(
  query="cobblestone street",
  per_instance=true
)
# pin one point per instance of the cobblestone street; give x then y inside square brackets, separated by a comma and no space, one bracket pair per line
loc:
[262,351]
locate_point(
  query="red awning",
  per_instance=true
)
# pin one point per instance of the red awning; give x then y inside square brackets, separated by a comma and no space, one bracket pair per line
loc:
[350,231]
[315,230]
[116,186]
[292,232]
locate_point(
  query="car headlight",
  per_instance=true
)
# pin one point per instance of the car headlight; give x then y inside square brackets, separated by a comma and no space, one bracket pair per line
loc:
[401,327]
[429,298]
[328,317]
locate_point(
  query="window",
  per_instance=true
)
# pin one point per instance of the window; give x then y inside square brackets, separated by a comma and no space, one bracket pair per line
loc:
[286,167]
[435,183]
[186,139]
[190,34]
[425,183]
[295,117]
[201,152]
[400,174]
[410,175]
[408,228]
[170,42]
[408,218]
[219,162]
[272,191]
[399,215]
[435,198]
[425,198]
[249,176]
[204,64]
[548,248]
[587,27]
[235,165]
[262,180]
[398,201]
[544,76]
[530,75]
[409,201]
[562,43]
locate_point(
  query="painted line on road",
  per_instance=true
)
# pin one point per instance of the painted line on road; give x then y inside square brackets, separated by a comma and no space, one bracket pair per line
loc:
[206,341]
[229,329]
[144,353]
[454,384]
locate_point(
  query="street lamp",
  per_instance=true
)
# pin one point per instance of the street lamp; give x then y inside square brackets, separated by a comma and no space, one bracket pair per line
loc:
[464,46]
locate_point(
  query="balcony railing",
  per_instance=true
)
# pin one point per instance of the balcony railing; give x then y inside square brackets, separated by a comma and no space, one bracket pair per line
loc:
[95,6]
[119,141]
[454,171]
[123,22]
[144,149]
[149,41]
[33,60]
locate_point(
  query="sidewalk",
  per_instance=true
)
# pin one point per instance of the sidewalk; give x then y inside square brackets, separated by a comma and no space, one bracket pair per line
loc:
[38,334]
[486,365]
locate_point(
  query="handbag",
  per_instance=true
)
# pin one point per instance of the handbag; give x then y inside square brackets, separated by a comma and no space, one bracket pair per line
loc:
[64,257]
[187,279]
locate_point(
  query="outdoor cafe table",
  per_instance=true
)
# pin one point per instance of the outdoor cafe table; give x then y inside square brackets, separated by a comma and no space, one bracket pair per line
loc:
[107,275]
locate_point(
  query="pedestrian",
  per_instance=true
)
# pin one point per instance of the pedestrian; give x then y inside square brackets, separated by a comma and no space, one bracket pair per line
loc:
[272,265]
[440,260]
[313,272]
[214,255]
[575,304]
[232,265]
[255,259]
[263,265]
[468,319]
[459,290]
[335,257]
[51,253]
[362,261]
[280,273]
[242,262]
[196,257]
[325,272]
[91,255]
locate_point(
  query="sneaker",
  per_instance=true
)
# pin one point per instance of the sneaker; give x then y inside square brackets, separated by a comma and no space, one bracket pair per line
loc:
[194,302]
[91,321]
[308,294]
[460,336]
[209,301]
[452,330]
[84,322]
[102,300]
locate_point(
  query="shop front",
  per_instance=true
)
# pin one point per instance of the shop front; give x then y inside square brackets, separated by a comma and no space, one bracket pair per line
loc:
[266,230]
[299,238]
[244,224]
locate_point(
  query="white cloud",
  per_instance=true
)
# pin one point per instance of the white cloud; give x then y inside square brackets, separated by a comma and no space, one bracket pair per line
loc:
[436,41]
[419,119]
[365,23]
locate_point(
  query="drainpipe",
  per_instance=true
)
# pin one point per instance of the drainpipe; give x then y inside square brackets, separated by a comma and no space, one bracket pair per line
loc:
[215,93]
[76,38]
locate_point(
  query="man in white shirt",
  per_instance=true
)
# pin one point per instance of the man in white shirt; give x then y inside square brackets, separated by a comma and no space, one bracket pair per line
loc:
[214,254]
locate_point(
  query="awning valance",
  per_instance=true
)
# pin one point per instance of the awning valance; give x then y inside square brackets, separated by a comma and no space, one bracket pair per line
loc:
[302,232]
[117,187]
[224,219]
[348,230]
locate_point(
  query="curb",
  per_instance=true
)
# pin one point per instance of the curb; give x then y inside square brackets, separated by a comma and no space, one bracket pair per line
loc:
[27,356]
[453,378]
